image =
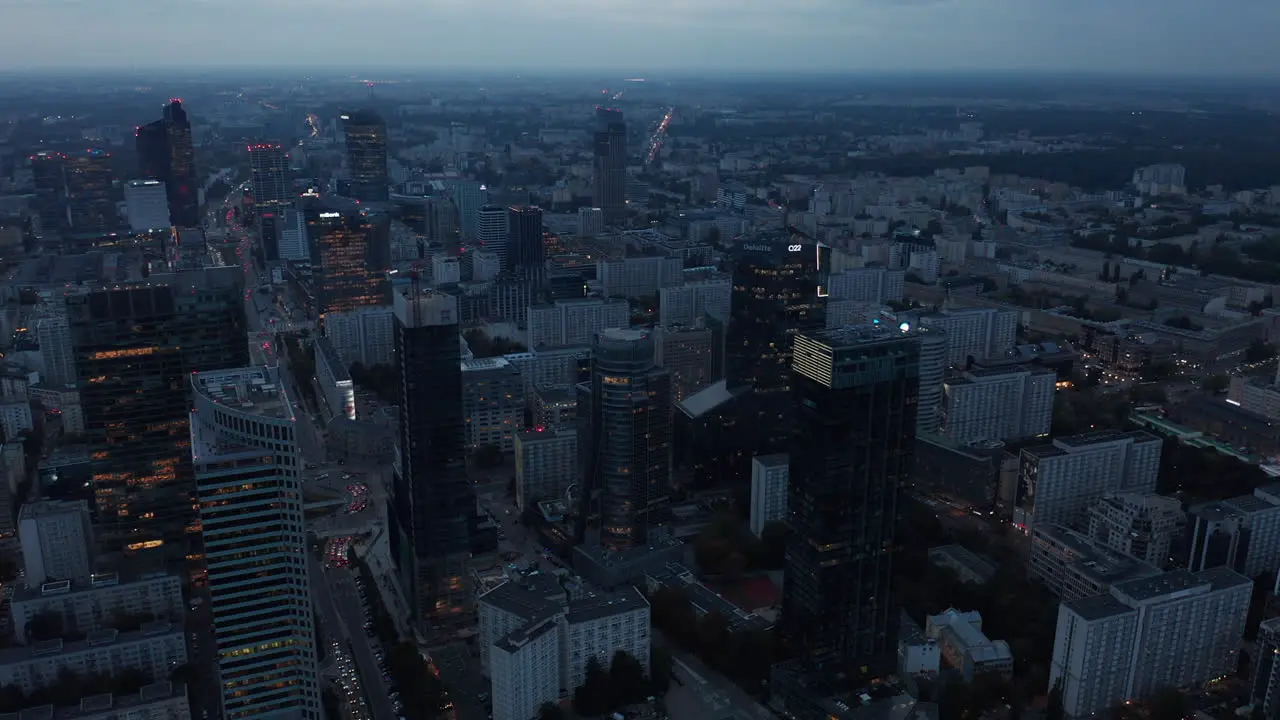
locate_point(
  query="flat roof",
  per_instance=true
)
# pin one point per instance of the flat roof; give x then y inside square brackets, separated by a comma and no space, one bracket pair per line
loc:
[602,605]
[254,390]
[1098,607]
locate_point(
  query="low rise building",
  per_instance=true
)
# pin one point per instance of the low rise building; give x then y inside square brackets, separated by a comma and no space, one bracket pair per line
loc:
[1073,566]
[1140,525]
[966,648]
[493,397]
[156,650]
[99,602]
[546,464]
[335,381]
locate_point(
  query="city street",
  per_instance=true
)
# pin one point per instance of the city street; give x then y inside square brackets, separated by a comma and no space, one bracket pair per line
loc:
[335,593]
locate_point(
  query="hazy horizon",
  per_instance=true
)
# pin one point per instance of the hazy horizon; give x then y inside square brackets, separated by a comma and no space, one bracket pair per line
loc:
[1138,37]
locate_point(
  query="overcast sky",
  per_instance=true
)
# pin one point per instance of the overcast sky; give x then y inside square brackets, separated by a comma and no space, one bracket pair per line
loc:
[1174,36]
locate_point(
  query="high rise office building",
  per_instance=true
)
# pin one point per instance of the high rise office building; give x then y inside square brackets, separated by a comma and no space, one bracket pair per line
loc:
[624,416]
[147,204]
[248,485]
[851,453]
[525,252]
[432,499]
[491,233]
[776,294]
[272,193]
[366,136]
[47,173]
[135,348]
[91,192]
[167,153]
[349,257]
[610,164]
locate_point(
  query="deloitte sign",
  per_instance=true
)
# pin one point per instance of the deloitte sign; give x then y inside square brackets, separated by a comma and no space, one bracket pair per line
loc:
[771,248]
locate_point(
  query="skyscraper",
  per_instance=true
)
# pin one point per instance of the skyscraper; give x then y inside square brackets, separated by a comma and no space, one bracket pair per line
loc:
[366,135]
[349,267]
[524,246]
[91,192]
[272,192]
[491,233]
[135,347]
[776,294]
[47,173]
[855,394]
[166,153]
[432,500]
[245,453]
[624,416]
[610,169]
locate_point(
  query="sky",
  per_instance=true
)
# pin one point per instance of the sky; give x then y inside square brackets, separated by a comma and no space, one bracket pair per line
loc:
[647,36]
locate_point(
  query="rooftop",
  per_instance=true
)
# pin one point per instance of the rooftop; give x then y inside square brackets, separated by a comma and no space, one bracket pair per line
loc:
[528,596]
[253,390]
[1174,581]
[1094,560]
[705,600]
[603,605]
[95,639]
[488,363]
[1098,607]
[325,351]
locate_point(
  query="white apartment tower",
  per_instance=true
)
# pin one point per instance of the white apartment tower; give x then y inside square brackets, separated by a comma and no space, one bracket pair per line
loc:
[1177,629]
[57,541]
[998,404]
[147,205]
[769,474]
[575,322]
[688,303]
[1058,482]
[975,332]
[491,232]
[867,284]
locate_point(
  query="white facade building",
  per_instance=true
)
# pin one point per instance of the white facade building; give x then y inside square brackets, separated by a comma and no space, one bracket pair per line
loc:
[575,322]
[445,270]
[147,205]
[867,284]
[335,381]
[485,265]
[1177,629]
[998,404]
[16,418]
[156,650]
[493,398]
[365,335]
[57,541]
[294,244]
[94,603]
[546,464]
[686,304]
[769,475]
[491,232]
[638,276]
[975,332]
[535,643]
[54,335]
[1058,482]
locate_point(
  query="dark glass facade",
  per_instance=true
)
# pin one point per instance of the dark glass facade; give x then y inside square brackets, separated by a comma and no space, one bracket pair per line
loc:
[167,153]
[47,171]
[366,136]
[610,164]
[182,186]
[855,393]
[776,294]
[525,251]
[135,348]
[349,262]
[624,417]
[91,193]
[433,503]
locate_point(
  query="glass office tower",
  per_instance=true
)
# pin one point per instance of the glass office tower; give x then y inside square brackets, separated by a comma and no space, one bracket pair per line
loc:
[366,136]
[855,392]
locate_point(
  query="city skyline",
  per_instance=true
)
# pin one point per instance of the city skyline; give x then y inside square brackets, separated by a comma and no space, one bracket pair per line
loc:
[808,35]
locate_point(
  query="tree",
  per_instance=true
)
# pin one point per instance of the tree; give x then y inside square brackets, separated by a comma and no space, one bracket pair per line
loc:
[627,681]
[661,665]
[1259,351]
[46,625]
[488,456]
[550,711]
[1168,703]
[1217,383]
[592,698]
[1054,709]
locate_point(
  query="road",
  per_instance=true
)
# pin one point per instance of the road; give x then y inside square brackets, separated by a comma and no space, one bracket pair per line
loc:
[335,593]
[707,694]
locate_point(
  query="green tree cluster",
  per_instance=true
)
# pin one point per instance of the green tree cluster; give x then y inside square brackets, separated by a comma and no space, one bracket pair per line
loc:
[744,656]
[381,380]
[726,547]
[423,695]
[606,690]
[483,346]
